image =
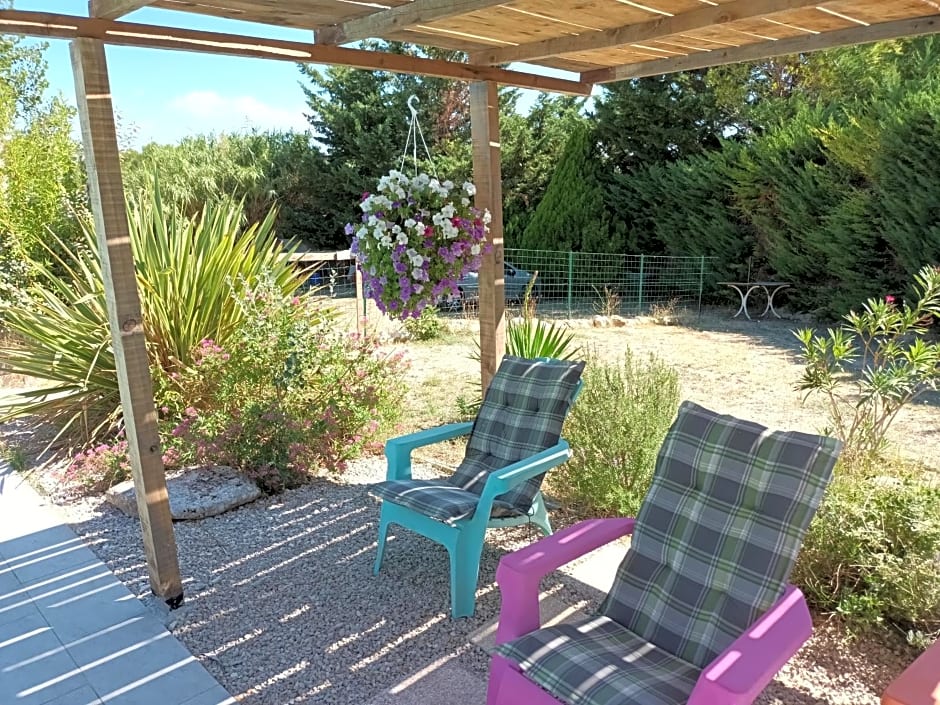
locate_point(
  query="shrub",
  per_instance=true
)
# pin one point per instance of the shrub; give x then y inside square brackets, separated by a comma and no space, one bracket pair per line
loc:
[287,395]
[872,553]
[97,469]
[184,269]
[875,365]
[427,326]
[615,429]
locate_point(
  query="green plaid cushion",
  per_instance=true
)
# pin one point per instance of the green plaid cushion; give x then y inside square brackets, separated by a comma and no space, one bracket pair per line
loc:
[718,532]
[435,498]
[522,414]
[598,662]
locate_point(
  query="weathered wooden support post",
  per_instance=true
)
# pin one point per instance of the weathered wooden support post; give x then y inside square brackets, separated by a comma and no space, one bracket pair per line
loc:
[106,191]
[484,125]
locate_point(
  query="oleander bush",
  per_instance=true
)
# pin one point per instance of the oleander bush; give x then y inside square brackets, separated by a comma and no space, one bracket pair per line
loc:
[289,394]
[615,429]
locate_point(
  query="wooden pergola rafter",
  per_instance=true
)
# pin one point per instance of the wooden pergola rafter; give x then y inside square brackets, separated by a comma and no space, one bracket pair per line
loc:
[597,40]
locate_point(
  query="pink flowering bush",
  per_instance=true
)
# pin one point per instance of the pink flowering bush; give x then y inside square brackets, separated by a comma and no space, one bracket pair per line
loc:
[417,237]
[95,470]
[289,396]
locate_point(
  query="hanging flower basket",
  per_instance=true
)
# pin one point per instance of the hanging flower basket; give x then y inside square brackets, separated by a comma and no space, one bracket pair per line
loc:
[417,237]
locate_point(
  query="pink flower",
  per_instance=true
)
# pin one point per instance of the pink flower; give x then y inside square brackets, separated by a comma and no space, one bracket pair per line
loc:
[191,412]
[889,299]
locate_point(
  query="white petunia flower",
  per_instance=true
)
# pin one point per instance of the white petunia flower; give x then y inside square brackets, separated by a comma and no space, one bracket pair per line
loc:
[469,188]
[448,210]
[475,250]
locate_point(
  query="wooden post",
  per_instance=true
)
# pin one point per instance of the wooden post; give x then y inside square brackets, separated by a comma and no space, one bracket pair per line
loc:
[106,190]
[484,125]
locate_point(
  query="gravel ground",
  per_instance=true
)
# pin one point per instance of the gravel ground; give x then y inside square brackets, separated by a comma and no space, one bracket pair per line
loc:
[281,605]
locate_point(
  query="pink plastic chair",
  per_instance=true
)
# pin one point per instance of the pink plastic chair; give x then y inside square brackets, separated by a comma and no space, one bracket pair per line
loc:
[700,611]
[735,678]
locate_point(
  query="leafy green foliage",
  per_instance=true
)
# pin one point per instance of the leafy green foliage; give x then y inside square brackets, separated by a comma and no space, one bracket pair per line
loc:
[185,266]
[871,552]
[531,337]
[427,326]
[259,169]
[572,215]
[290,393]
[876,364]
[615,430]
[41,187]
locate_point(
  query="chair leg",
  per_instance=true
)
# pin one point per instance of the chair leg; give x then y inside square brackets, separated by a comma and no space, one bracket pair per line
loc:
[540,515]
[383,535]
[464,574]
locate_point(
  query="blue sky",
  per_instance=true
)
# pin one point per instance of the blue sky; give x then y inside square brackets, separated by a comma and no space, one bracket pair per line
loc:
[162,96]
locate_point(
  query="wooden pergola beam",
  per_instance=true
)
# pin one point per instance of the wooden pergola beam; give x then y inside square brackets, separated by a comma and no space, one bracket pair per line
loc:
[42,24]
[641,32]
[762,50]
[106,190]
[487,176]
[380,24]
[112,9]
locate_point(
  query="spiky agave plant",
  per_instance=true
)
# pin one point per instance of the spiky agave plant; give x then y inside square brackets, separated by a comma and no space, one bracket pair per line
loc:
[186,267]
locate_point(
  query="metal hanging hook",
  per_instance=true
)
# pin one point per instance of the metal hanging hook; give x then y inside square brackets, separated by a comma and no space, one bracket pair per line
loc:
[412,108]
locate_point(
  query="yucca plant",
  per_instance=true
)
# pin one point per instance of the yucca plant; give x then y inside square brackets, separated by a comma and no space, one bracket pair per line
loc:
[532,337]
[186,268]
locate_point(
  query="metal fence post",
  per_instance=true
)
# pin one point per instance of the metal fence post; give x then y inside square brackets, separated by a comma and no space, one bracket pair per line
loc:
[570,279]
[639,304]
[701,283]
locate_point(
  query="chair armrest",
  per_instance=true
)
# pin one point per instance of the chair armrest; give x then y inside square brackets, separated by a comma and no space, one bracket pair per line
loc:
[398,450]
[519,573]
[504,479]
[745,668]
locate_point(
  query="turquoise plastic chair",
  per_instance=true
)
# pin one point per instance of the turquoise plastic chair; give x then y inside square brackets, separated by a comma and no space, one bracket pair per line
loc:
[514,441]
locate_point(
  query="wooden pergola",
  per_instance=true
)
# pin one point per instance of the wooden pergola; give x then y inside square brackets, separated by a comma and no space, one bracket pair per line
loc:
[598,41]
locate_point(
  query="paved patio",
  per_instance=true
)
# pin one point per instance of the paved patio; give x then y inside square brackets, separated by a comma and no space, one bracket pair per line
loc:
[70,632]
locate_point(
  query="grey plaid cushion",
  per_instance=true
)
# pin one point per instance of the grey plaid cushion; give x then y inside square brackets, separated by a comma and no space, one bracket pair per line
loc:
[523,412]
[435,498]
[597,661]
[718,532]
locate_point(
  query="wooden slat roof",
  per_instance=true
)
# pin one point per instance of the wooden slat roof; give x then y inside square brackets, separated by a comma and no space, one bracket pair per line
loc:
[602,40]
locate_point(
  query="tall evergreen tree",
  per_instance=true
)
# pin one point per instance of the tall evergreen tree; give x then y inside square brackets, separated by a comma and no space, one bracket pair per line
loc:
[572,215]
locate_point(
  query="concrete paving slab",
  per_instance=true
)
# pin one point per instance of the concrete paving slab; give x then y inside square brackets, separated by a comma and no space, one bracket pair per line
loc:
[440,682]
[82,696]
[86,605]
[14,606]
[34,668]
[139,663]
[70,632]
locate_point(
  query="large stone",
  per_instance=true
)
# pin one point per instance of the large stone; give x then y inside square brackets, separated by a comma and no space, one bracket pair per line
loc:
[195,493]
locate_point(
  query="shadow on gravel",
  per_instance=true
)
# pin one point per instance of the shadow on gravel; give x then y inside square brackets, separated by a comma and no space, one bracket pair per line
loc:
[282,607]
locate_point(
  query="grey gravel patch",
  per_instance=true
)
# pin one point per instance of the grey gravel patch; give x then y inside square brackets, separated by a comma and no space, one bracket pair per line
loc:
[282,607]
[195,493]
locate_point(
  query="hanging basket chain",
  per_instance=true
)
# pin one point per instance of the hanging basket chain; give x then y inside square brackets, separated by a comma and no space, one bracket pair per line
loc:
[414,133]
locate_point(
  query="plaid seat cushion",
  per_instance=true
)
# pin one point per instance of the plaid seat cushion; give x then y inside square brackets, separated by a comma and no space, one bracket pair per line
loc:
[718,532]
[522,414]
[437,499]
[598,662]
